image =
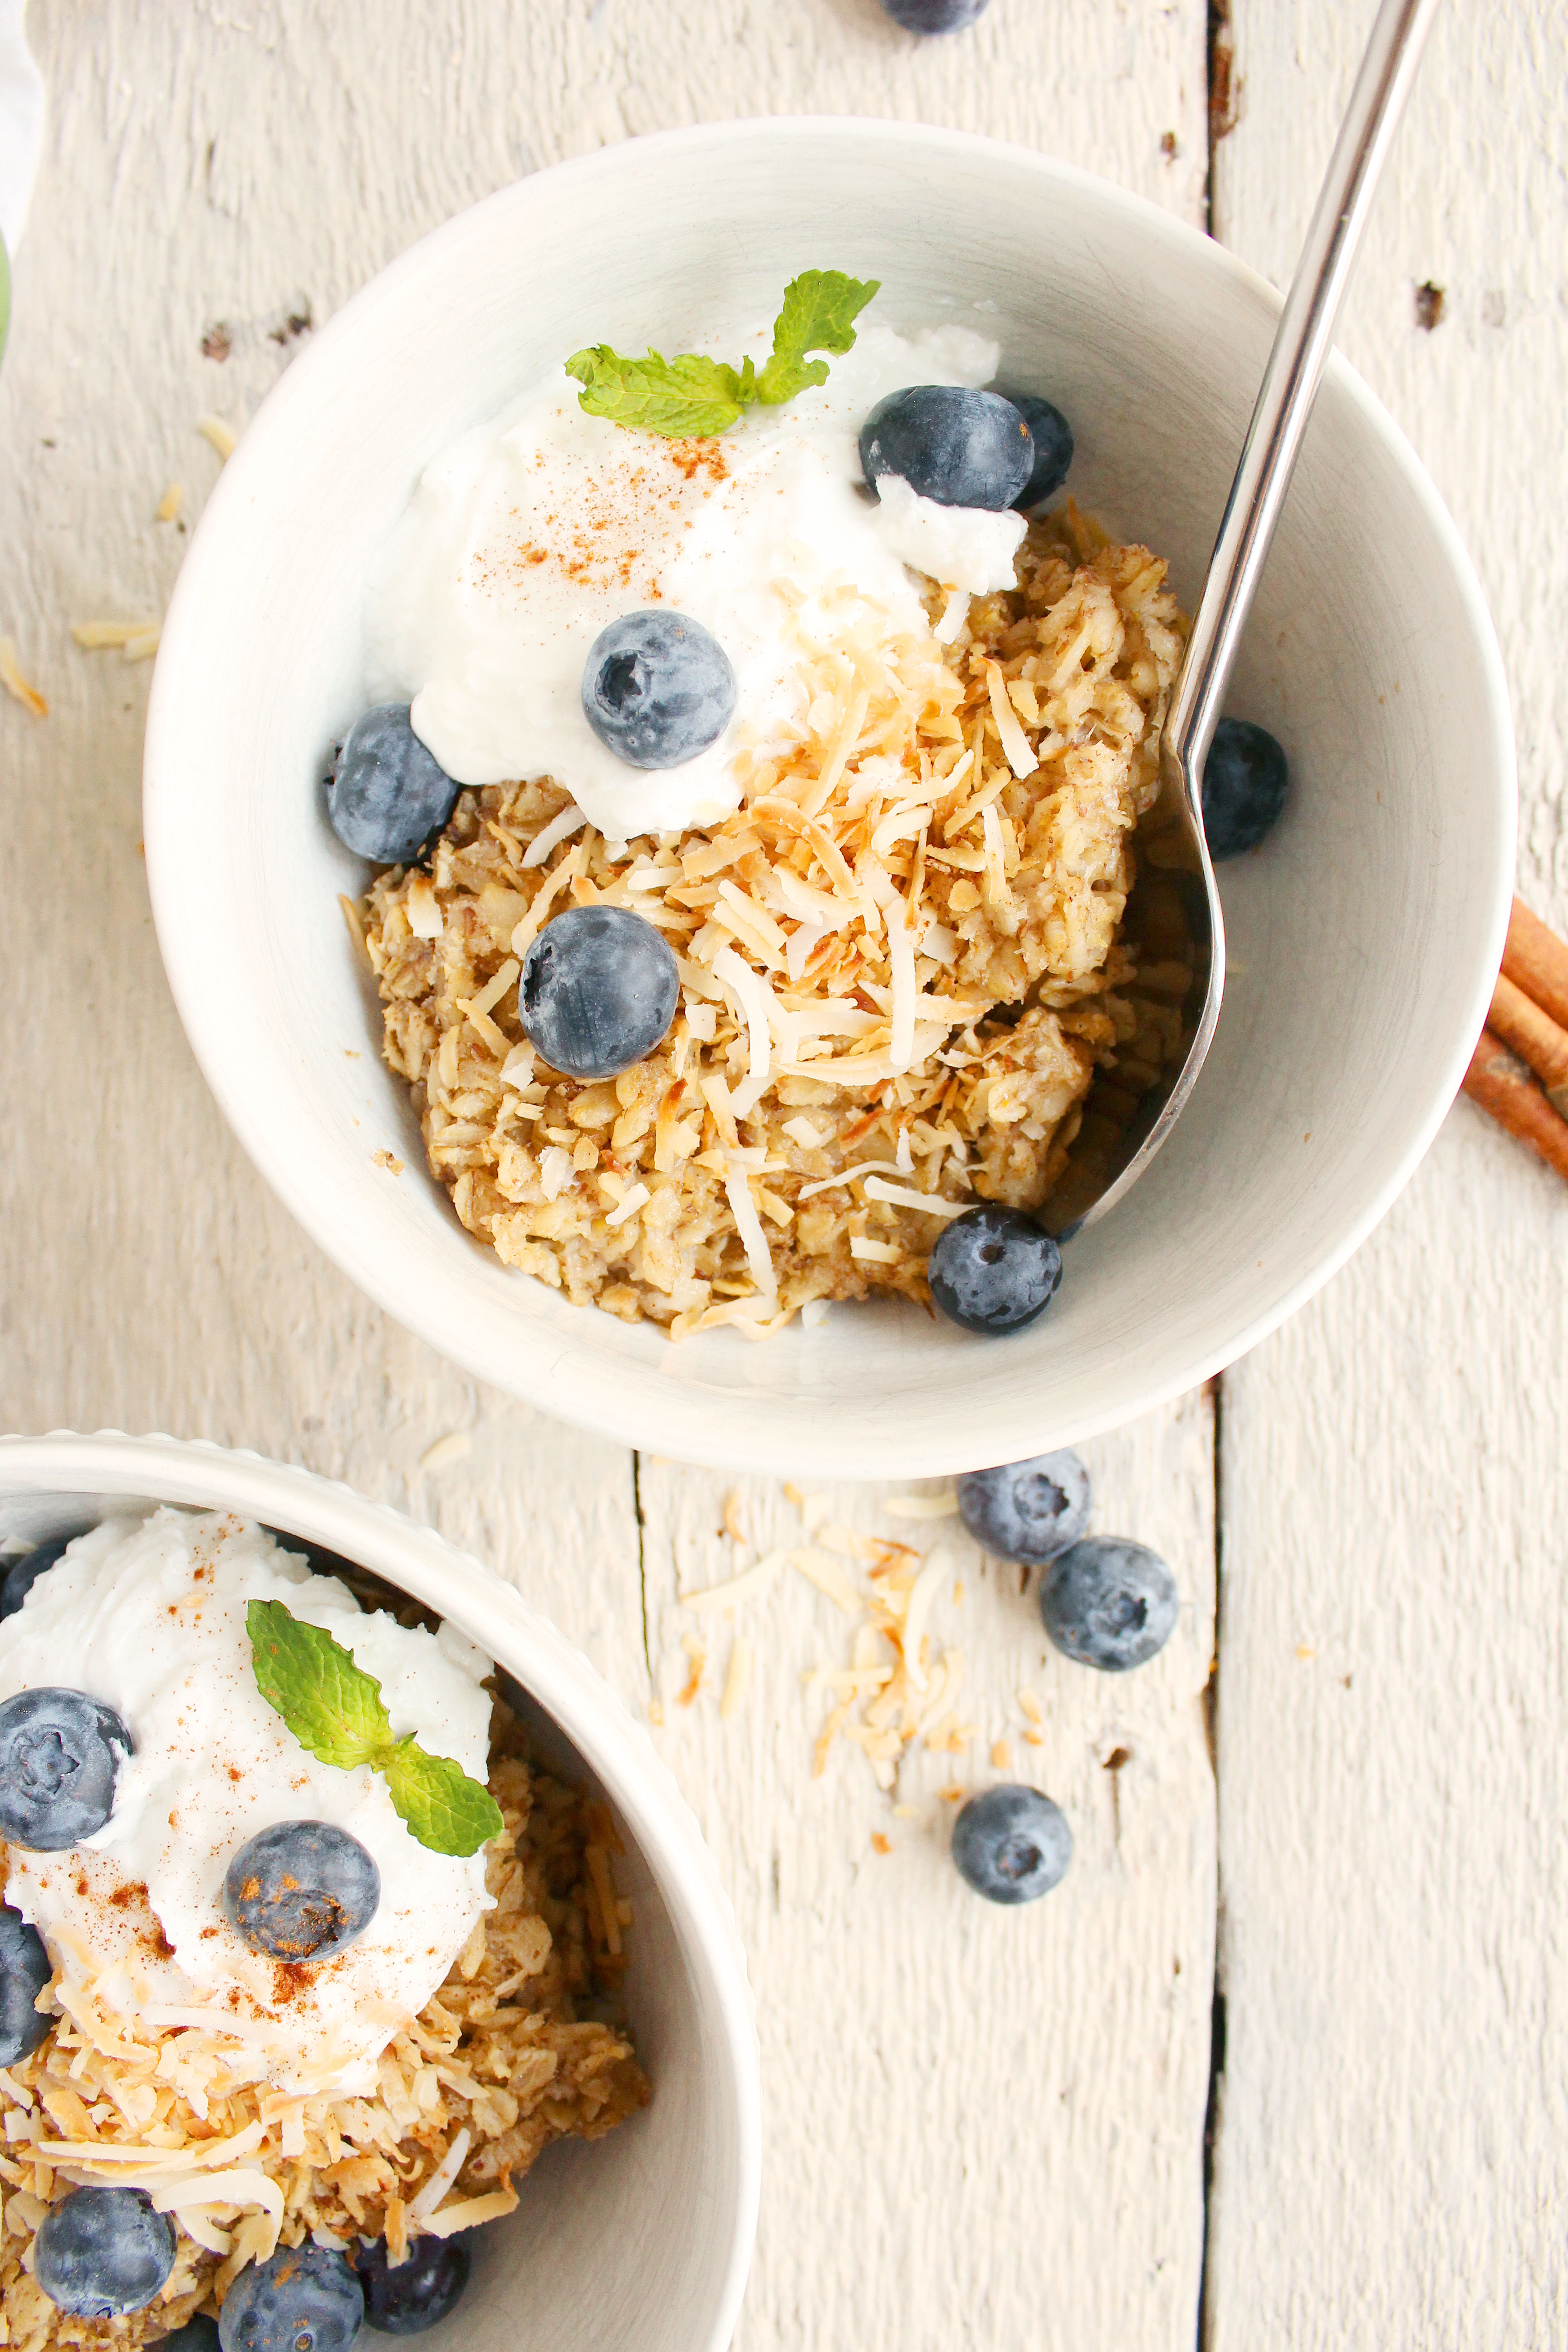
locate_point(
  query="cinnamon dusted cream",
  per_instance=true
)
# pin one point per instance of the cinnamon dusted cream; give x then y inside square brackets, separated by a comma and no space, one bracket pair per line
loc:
[530,534]
[149,1617]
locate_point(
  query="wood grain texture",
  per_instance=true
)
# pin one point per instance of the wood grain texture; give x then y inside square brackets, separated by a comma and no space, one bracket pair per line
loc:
[1390,2164]
[982,2129]
[984,2126]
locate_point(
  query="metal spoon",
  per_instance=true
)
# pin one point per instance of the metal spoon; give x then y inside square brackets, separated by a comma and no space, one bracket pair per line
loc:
[1268,460]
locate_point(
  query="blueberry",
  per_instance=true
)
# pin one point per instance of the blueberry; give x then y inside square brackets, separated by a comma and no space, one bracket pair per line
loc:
[25,1970]
[993,1269]
[1012,1844]
[1109,1602]
[301,2299]
[960,448]
[386,795]
[199,2334]
[23,1574]
[935,15]
[301,1891]
[102,2252]
[59,1751]
[658,689]
[404,2298]
[1052,436]
[1026,1510]
[1245,778]
[598,991]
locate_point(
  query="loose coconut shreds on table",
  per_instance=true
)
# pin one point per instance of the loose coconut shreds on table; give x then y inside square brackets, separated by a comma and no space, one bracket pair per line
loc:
[898,958]
[496,2065]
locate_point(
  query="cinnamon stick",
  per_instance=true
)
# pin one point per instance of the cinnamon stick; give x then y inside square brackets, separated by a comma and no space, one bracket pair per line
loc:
[1499,1082]
[1519,1022]
[1536,962]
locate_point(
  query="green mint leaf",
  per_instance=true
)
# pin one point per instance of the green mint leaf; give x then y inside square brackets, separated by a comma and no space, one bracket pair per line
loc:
[820,308]
[685,395]
[693,395]
[443,1808]
[331,1706]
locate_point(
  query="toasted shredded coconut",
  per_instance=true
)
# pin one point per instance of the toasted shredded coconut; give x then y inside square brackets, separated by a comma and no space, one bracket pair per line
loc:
[495,2067]
[901,952]
[15,685]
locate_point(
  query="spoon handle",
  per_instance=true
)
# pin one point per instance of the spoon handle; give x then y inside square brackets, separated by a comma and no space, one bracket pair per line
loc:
[1290,380]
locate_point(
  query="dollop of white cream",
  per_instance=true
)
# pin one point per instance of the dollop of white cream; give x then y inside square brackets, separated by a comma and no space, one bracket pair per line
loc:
[150,1619]
[530,534]
[964,547]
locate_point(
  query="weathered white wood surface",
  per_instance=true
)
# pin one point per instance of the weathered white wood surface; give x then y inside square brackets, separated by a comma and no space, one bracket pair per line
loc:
[983,2130]
[1392,2166]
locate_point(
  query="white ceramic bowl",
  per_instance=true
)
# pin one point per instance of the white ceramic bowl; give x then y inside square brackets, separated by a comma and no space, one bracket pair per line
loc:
[640,2243]
[1364,935]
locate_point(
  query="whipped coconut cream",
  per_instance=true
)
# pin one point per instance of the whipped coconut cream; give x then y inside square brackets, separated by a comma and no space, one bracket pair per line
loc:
[530,533]
[149,1618]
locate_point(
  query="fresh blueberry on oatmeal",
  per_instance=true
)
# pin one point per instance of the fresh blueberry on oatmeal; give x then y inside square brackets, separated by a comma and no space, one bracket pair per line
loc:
[386,793]
[955,445]
[301,1891]
[1011,1843]
[301,2299]
[404,2298]
[25,1970]
[598,991]
[1109,1602]
[1246,777]
[199,2334]
[23,1574]
[658,689]
[59,1753]
[892,890]
[100,2252]
[1028,1511]
[993,1270]
[1052,436]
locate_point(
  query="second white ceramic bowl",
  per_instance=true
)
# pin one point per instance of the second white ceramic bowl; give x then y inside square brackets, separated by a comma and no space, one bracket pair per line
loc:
[1365,934]
[640,2243]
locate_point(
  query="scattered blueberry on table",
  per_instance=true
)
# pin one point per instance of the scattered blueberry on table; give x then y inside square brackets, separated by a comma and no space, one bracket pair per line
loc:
[1052,436]
[1029,1511]
[1011,1843]
[1244,780]
[952,445]
[23,1574]
[658,687]
[386,795]
[993,1270]
[1109,1602]
[598,991]
[59,1751]
[25,1970]
[404,2298]
[100,2252]
[301,2299]
[301,1891]
[935,15]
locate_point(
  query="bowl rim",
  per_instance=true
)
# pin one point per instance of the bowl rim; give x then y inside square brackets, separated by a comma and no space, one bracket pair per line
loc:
[616,1747]
[665,1420]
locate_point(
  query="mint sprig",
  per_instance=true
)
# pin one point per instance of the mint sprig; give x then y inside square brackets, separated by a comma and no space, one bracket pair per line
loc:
[335,1709]
[690,394]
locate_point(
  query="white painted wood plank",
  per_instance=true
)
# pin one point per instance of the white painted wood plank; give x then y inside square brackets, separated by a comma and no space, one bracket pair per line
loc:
[1391,2165]
[962,2149]
[984,2128]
